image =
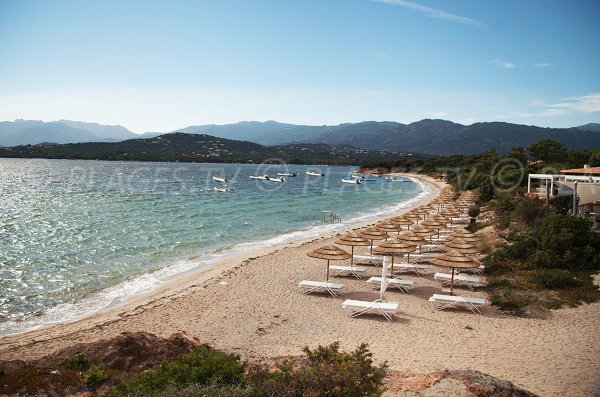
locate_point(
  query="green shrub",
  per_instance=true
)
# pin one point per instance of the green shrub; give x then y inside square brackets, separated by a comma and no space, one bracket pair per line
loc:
[203,366]
[567,242]
[474,211]
[326,372]
[508,301]
[553,278]
[95,375]
[77,362]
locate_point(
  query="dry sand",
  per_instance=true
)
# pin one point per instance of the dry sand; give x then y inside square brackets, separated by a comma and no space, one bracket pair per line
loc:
[254,308]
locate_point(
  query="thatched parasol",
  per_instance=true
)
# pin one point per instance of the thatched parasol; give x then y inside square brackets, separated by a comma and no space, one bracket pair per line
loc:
[462,246]
[393,247]
[389,227]
[402,221]
[420,211]
[413,216]
[353,240]
[330,253]
[435,225]
[454,260]
[424,231]
[374,234]
[412,239]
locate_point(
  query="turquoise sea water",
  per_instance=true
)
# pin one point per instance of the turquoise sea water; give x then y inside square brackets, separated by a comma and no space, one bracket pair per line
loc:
[79,236]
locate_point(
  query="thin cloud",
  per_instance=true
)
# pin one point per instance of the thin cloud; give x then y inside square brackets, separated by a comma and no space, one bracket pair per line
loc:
[382,55]
[467,121]
[432,12]
[542,65]
[438,115]
[577,104]
[503,65]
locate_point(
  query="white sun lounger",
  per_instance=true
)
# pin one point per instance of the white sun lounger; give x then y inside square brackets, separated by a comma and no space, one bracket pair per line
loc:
[355,271]
[409,267]
[476,270]
[368,260]
[459,279]
[402,285]
[356,308]
[442,302]
[309,287]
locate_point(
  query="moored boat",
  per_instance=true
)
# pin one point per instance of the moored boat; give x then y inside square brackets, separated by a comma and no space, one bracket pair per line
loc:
[314,173]
[280,179]
[351,181]
[220,189]
[262,178]
[218,179]
[286,174]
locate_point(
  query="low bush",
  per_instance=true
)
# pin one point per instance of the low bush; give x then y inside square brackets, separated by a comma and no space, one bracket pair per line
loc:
[553,278]
[203,366]
[77,362]
[325,372]
[95,375]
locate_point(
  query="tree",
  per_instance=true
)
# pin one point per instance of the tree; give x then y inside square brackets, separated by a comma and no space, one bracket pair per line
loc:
[594,160]
[473,212]
[547,150]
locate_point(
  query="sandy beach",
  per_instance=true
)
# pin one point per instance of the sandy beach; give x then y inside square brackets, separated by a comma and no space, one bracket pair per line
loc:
[250,304]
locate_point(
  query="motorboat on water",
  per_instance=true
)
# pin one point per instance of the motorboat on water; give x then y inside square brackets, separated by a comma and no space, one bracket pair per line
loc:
[218,179]
[358,176]
[314,173]
[280,179]
[220,189]
[262,178]
[286,174]
[351,181]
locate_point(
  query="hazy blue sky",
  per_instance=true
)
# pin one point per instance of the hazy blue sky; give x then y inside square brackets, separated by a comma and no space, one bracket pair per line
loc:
[161,65]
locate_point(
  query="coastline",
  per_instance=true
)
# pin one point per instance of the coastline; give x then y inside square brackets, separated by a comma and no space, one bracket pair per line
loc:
[182,274]
[249,304]
[232,258]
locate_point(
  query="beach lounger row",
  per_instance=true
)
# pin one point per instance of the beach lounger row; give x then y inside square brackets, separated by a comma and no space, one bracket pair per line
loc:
[470,282]
[442,302]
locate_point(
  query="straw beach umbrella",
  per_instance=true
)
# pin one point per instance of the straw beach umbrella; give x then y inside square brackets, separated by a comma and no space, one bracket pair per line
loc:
[329,252]
[466,236]
[421,212]
[454,260]
[402,221]
[353,240]
[412,239]
[374,234]
[435,225]
[424,232]
[413,216]
[389,227]
[393,247]
[461,246]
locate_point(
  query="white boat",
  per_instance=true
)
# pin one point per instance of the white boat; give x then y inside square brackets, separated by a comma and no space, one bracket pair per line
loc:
[216,178]
[262,178]
[357,176]
[285,174]
[280,179]
[351,181]
[220,189]
[314,173]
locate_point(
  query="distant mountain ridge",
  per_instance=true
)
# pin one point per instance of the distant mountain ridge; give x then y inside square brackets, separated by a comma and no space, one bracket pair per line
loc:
[594,127]
[204,148]
[428,136]
[31,132]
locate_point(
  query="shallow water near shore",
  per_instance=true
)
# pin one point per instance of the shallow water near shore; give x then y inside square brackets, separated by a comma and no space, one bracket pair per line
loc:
[80,236]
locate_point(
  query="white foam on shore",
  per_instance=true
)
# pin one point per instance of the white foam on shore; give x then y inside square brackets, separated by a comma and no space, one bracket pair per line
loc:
[119,294]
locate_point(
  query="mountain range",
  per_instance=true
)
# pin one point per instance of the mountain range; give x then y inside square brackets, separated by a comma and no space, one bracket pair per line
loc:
[425,136]
[202,148]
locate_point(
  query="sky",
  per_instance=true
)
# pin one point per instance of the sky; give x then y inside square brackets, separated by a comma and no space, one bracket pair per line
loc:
[164,65]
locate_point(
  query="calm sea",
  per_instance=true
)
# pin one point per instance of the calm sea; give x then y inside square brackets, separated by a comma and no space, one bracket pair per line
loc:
[77,237]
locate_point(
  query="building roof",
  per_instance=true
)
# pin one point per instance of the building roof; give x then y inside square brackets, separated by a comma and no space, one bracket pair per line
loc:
[584,171]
